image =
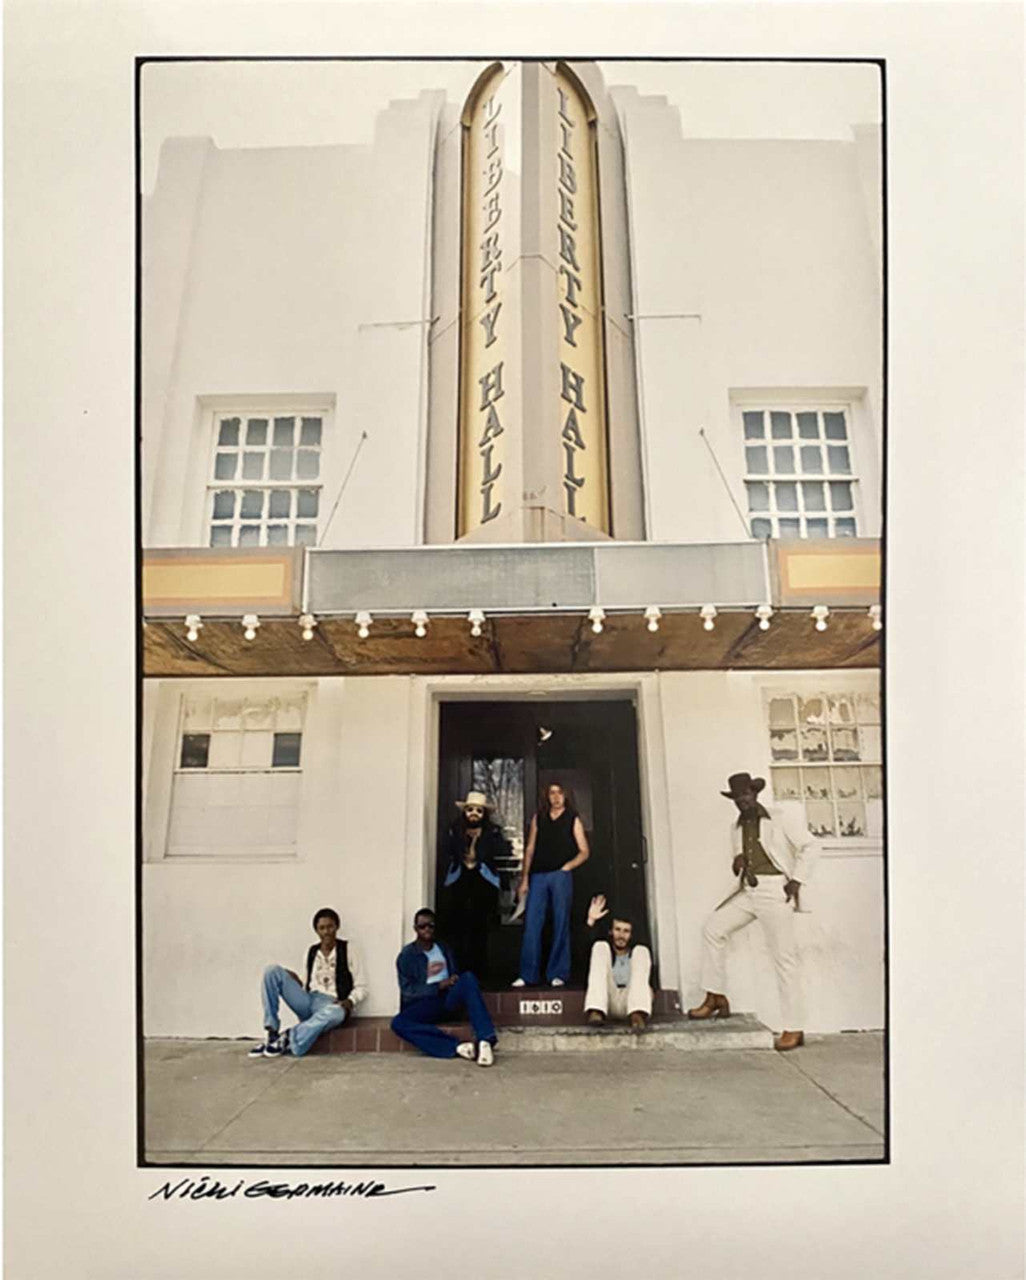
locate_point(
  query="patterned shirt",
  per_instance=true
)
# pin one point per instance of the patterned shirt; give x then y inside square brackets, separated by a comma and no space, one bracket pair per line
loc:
[323,976]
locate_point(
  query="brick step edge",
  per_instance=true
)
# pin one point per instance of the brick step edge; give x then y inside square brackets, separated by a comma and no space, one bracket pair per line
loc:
[505,1006]
[374,1035]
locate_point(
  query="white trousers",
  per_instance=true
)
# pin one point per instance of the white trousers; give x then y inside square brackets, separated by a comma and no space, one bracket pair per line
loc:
[603,993]
[767,904]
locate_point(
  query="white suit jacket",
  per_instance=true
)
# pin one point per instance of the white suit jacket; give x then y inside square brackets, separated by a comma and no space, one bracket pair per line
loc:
[789,845]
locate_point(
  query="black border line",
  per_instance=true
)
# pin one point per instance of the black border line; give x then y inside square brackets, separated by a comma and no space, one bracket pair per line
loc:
[142,61]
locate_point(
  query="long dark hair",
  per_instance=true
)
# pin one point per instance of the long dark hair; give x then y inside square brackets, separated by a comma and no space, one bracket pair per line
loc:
[568,799]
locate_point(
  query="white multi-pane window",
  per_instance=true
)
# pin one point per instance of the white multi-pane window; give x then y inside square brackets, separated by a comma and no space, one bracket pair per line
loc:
[799,472]
[235,791]
[264,488]
[825,755]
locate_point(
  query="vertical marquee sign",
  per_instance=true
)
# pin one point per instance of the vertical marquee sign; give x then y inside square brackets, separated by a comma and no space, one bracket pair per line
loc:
[484,349]
[582,408]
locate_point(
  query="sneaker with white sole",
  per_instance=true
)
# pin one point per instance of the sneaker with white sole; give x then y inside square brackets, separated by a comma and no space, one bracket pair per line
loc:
[466,1050]
[261,1050]
[485,1057]
[518,982]
[276,1047]
[557,982]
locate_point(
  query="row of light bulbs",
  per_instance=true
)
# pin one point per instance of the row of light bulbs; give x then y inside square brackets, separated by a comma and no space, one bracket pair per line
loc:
[596,616]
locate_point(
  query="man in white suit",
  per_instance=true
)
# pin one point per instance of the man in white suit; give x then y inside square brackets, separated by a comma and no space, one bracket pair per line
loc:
[772,864]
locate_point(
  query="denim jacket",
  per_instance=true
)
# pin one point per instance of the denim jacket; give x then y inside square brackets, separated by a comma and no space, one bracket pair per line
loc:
[411,966]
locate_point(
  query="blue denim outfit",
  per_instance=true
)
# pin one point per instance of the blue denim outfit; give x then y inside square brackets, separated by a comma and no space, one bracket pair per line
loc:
[422,1005]
[545,887]
[317,1012]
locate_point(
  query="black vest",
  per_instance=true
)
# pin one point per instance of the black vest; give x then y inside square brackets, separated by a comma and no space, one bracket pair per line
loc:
[343,978]
[554,843]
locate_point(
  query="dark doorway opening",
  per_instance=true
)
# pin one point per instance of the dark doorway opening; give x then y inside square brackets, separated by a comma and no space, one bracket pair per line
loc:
[513,751]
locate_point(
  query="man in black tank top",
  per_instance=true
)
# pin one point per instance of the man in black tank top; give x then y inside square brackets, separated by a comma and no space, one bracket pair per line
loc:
[556,845]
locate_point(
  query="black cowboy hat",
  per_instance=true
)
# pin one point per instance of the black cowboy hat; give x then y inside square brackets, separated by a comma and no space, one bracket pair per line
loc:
[738,782]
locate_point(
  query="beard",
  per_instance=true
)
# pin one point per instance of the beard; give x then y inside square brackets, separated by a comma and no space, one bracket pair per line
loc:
[473,824]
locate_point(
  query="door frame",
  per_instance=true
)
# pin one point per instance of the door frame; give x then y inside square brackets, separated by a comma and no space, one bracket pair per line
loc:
[429,692]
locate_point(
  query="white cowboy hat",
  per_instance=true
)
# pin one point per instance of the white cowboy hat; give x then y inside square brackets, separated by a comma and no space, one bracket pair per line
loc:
[476,799]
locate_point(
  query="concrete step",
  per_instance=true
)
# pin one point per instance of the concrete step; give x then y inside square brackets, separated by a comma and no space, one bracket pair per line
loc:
[665,1031]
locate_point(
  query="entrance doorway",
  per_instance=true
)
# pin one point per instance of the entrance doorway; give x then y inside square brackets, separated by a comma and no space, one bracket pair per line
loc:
[513,751]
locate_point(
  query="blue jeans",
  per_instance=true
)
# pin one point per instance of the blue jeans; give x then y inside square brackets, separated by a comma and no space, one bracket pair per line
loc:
[316,1011]
[557,888]
[415,1023]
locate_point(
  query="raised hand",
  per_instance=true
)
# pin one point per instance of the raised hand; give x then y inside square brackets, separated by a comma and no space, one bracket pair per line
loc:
[597,908]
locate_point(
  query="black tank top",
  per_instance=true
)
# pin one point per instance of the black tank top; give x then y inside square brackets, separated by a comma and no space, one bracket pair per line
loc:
[555,843]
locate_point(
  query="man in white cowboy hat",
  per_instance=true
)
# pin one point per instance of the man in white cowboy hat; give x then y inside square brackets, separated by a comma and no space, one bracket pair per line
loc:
[772,864]
[470,890]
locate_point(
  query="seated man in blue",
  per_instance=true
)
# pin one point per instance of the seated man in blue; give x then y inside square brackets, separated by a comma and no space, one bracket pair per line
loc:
[334,987]
[432,989]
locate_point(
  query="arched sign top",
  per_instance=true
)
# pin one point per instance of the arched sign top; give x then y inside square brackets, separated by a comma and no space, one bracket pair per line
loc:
[482,82]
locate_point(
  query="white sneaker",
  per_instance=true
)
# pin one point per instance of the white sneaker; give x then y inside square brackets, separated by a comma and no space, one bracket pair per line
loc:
[485,1057]
[518,982]
[557,982]
[466,1050]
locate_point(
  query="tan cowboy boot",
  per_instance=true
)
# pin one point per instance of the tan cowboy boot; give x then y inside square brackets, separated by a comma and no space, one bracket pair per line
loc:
[789,1040]
[713,1006]
[595,1017]
[638,1020]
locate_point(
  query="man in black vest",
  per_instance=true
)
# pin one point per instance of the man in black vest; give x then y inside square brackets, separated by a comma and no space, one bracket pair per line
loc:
[334,987]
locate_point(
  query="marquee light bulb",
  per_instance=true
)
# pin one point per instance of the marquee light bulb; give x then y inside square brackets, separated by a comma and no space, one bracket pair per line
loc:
[193,626]
[820,612]
[420,621]
[652,616]
[708,615]
[307,621]
[764,613]
[876,616]
[363,624]
[250,622]
[595,617]
[476,618]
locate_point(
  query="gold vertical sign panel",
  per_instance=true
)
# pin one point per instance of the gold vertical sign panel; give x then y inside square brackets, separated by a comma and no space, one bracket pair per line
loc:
[582,391]
[485,372]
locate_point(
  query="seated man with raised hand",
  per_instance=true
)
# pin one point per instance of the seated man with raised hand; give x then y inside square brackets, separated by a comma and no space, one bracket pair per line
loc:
[334,987]
[431,989]
[618,975]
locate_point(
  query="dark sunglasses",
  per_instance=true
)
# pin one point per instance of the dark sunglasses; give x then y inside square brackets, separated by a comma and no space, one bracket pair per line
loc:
[425,924]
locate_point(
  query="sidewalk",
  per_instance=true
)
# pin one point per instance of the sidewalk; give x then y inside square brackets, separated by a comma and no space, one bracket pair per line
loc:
[207,1103]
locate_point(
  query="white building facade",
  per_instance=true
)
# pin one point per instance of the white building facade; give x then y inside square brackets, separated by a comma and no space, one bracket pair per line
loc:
[693,428]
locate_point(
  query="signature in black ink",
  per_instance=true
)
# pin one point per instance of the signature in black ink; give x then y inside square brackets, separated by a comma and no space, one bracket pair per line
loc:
[207,1188]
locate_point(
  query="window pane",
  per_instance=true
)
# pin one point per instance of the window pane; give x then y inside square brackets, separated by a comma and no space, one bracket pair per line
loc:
[310,431]
[227,713]
[813,496]
[225,465]
[845,743]
[256,431]
[842,709]
[253,466]
[816,784]
[787,497]
[762,529]
[817,528]
[812,460]
[277,535]
[249,535]
[306,535]
[812,710]
[783,459]
[252,504]
[258,715]
[756,460]
[281,464]
[835,426]
[224,750]
[780,426]
[846,784]
[758,496]
[308,464]
[785,784]
[228,432]
[289,713]
[198,713]
[820,817]
[851,819]
[783,744]
[781,713]
[280,502]
[870,742]
[221,535]
[224,504]
[790,528]
[872,781]
[838,459]
[754,427]
[307,501]
[814,744]
[286,750]
[808,427]
[840,495]
[256,748]
[195,750]
[867,707]
[844,528]
[284,433]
